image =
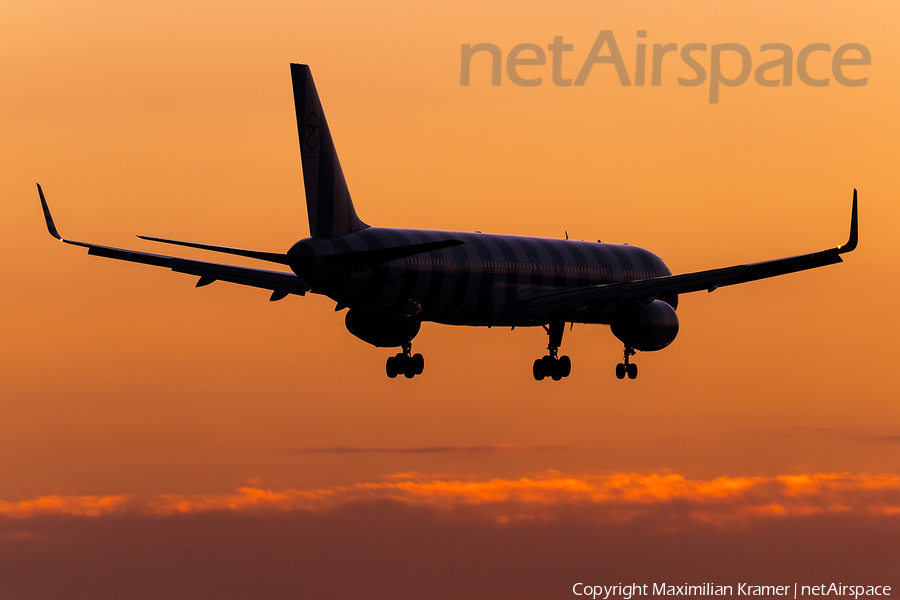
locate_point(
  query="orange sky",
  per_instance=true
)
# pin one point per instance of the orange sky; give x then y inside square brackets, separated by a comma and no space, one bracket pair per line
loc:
[176,120]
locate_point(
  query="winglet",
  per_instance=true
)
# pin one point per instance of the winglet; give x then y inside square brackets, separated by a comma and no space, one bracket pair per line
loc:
[854,230]
[51,227]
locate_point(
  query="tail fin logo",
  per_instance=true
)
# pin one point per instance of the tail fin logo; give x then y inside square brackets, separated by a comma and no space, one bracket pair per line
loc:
[312,130]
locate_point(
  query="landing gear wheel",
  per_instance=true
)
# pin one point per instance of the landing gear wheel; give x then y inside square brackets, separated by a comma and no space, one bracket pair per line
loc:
[556,373]
[554,366]
[404,363]
[626,367]
[565,366]
[538,370]
[631,369]
[392,367]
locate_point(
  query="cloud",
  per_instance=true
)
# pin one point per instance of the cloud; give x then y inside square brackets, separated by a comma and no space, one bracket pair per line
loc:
[444,538]
[89,506]
[617,497]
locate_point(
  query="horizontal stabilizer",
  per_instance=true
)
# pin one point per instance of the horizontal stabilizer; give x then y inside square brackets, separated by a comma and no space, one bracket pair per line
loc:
[267,256]
[360,260]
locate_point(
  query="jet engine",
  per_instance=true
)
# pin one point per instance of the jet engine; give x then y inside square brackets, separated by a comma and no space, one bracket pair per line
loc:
[382,331]
[647,327]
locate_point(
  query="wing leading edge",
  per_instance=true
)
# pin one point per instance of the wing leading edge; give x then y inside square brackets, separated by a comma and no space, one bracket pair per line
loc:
[281,284]
[576,298]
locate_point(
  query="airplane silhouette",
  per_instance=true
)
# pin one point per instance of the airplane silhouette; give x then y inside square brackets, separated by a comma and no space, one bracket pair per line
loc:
[392,280]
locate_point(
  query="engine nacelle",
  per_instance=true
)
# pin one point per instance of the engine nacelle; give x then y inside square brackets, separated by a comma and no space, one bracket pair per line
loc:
[647,327]
[381,331]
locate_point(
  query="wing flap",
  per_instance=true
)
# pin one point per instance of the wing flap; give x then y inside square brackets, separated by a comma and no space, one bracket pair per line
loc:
[157,260]
[277,281]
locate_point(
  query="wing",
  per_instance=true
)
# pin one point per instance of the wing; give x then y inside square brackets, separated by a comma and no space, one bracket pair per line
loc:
[279,282]
[576,298]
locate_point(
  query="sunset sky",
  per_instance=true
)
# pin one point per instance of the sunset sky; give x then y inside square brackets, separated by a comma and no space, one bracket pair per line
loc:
[162,441]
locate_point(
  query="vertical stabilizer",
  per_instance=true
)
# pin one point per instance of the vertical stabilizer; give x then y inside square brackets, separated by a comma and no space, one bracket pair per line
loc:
[328,201]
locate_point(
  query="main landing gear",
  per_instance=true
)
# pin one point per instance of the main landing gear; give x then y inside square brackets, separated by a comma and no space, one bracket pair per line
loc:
[627,368]
[403,363]
[554,366]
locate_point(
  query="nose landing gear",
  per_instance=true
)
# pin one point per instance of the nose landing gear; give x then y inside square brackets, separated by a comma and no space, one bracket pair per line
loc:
[405,363]
[554,366]
[627,368]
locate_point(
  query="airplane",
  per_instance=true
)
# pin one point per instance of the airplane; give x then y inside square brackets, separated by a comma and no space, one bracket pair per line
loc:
[392,280]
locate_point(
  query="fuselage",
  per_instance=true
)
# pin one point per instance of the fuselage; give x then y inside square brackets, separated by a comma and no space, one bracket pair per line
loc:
[471,283]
